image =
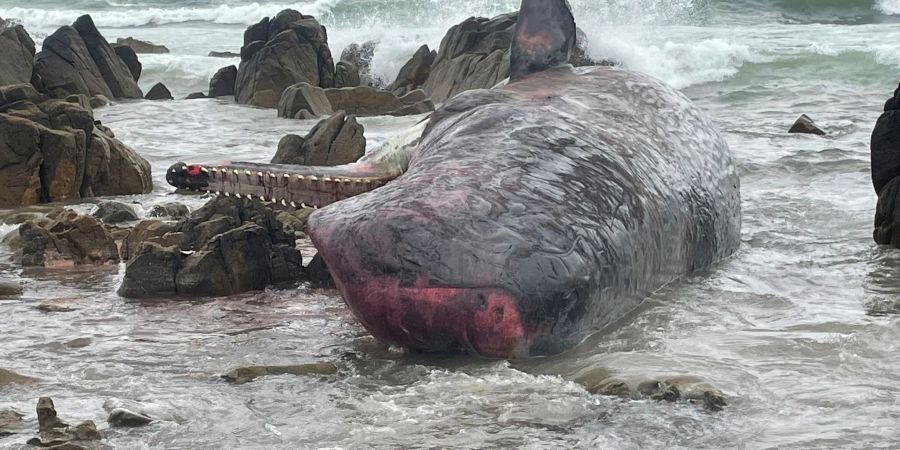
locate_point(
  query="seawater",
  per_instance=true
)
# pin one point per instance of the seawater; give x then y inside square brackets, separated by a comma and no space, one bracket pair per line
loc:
[800,328]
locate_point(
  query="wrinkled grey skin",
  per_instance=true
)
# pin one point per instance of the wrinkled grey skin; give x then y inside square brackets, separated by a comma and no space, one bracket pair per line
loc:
[535,214]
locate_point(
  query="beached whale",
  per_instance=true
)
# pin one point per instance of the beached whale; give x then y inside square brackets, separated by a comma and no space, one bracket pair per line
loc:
[525,217]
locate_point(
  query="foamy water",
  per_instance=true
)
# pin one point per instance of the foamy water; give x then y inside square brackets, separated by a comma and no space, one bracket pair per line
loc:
[800,328]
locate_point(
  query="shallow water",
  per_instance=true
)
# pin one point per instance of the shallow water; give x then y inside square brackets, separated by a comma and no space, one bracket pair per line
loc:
[800,328]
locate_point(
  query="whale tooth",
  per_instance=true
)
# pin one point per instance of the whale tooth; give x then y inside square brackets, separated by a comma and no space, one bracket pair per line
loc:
[218,193]
[300,177]
[286,176]
[315,207]
[174,170]
[187,252]
[283,202]
[204,170]
[313,178]
[236,172]
[271,175]
[326,179]
[261,198]
[227,194]
[248,173]
[183,167]
[303,205]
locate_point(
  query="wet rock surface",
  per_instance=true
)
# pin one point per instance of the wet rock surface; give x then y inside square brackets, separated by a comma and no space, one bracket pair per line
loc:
[169,209]
[130,58]
[222,83]
[304,100]
[226,247]
[57,434]
[360,57]
[346,75]
[17,50]
[10,289]
[336,140]
[115,212]
[8,377]
[415,72]
[10,422]
[670,389]
[67,239]
[54,152]
[288,49]
[215,54]
[114,71]
[885,167]
[243,375]
[140,46]
[805,125]
[159,91]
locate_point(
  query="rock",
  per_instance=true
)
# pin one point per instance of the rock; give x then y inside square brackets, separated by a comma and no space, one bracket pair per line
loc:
[294,221]
[120,417]
[115,212]
[56,434]
[129,413]
[113,168]
[366,101]
[83,101]
[19,92]
[289,49]
[422,107]
[17,50]
[98,101]
[142,46]
[78,60]
[169,209]
[115,72]
[318,275]
[473,55]
[58,306]
[46,414]
[81,342]
[154,231]
[10,422]
[228,246]
[346,75]
[360,57]
[333,141]
[304,97]
[130,58]
[415,72]
[222,83]
[805,125]
[70,239]
[10,289]
[159,91]
[8,377]
[224,55]
[243,375]
[195,96]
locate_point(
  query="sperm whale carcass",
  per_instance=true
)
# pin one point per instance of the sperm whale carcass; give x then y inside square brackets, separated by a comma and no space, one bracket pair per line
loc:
[523,218]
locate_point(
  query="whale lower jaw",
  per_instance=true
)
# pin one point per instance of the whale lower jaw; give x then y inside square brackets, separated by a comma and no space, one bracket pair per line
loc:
[480,321]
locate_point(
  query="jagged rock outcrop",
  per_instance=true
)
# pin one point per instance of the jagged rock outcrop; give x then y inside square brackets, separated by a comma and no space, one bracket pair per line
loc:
[415,72]
[130,58]
[78,60]
[805,125]
[52,151]
[140,46]
[336,140]
[16,54]
[226,247]
[68,239]
[473,55]
[885,163]
[57,434]
[159,91]
[290,48]
[346,75]
[304,100]
[360,57]
[222,83]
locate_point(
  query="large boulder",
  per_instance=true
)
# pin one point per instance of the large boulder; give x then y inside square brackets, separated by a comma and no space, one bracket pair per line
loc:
[227,247]
[360,57]
[304,97]
[334,141]
[303,101]
[885,159]
[16,54]
[222,83]
[346,75]
[140,46]
[289,49]
[159,91]
[130,58]
[69,239]
[149,231]
[473,55]
[78,60]
[415,72]
[53,152]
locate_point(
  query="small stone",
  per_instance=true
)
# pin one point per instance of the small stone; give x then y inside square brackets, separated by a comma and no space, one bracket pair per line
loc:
[60,305]
[805,125]
[247,374]
[120,417]
[10,289]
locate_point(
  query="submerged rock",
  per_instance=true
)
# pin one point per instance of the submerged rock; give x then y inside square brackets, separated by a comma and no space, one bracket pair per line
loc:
[140,46]
[243,375]
[169,209]
[226,247]
[333,141]
[8,377]
[159,91]
[689,389]
[115,212]
[195,96]
[10,289]
[288,49]
[58,305]
[215,54]
[10,422]
[805,125]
